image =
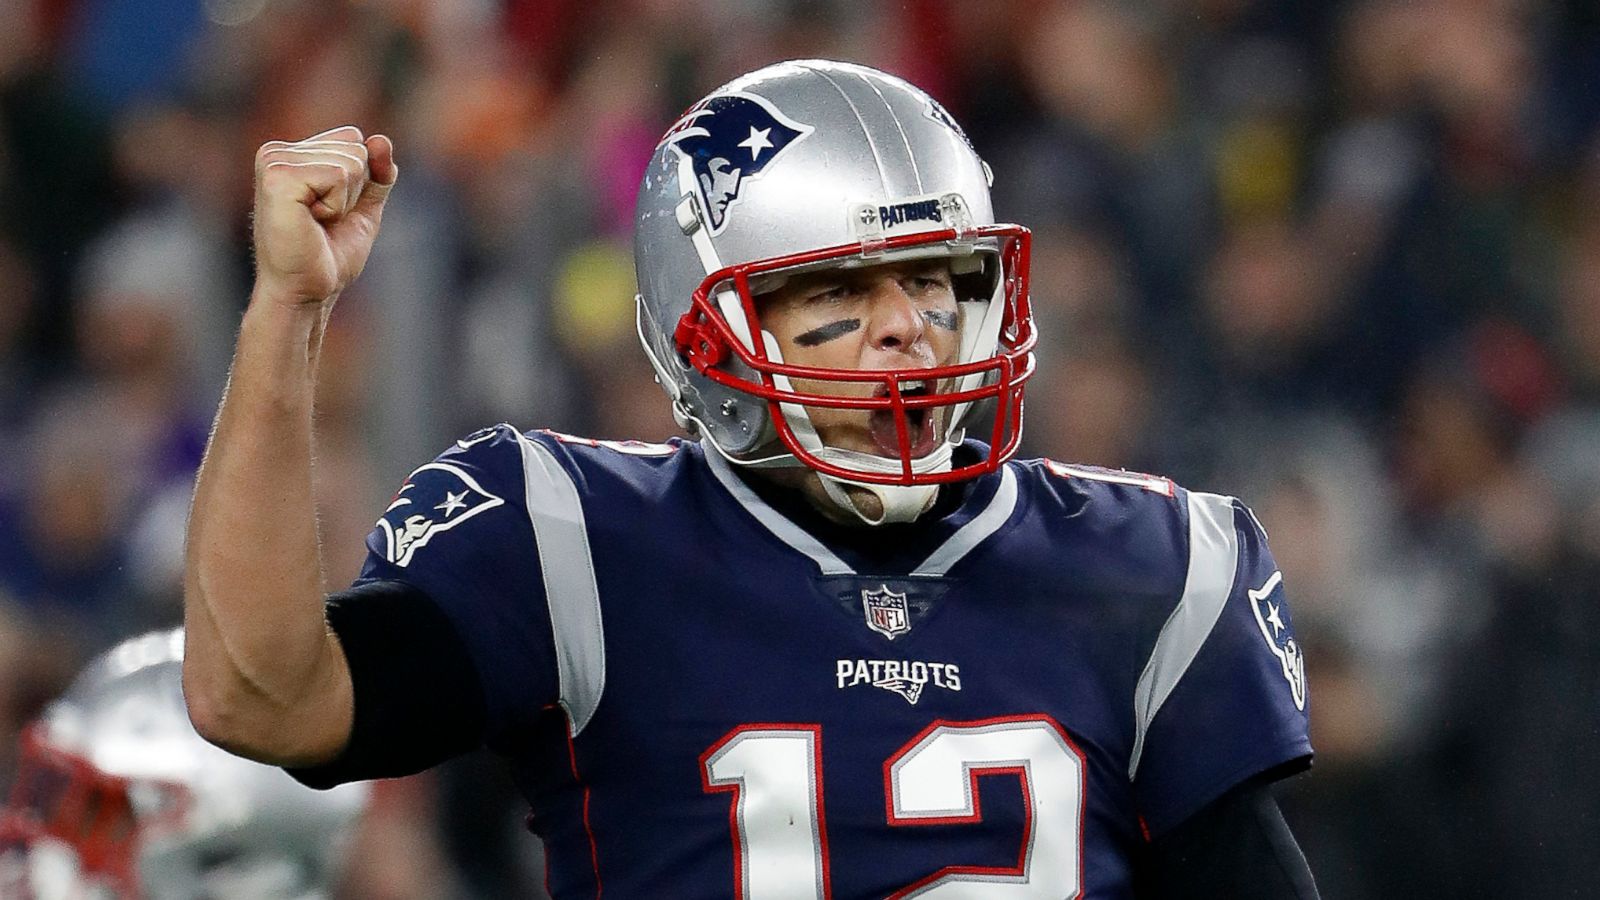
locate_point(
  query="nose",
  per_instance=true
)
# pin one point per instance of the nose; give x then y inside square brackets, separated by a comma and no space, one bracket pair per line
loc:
[896,324]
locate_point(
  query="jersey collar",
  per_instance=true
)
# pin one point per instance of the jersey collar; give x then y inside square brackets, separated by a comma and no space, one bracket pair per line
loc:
[989,503]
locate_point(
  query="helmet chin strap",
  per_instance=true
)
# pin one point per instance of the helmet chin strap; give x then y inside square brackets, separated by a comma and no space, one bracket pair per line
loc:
[897,503]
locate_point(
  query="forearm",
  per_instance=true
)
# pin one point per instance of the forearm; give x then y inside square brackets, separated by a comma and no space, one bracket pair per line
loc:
[262,674]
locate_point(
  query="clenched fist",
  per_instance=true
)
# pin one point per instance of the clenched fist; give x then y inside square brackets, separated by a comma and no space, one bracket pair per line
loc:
[318,205]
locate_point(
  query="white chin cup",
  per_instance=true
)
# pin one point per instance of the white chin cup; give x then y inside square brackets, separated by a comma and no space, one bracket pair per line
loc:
[899,503]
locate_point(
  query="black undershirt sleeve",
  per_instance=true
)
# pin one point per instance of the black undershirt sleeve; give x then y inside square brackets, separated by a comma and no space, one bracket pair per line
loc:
[1238,848]
[418,699]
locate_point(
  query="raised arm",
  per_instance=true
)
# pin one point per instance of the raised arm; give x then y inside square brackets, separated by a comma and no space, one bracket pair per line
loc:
[262,674]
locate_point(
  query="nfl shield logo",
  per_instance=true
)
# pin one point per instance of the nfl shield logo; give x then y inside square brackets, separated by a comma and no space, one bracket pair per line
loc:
[887,612]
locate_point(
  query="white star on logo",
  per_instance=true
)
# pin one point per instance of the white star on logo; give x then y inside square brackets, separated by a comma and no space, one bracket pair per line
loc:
[453,502]
[1272,617]
[757,141]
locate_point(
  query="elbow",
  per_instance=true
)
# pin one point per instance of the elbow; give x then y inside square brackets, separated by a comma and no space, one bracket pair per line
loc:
[208,723]
[205,697]
[224,716]
[211,713]
[235,716]
[270,712]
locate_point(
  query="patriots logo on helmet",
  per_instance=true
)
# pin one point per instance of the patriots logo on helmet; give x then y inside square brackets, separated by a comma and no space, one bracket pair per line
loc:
[938,113]
[727,140]
[1279,636]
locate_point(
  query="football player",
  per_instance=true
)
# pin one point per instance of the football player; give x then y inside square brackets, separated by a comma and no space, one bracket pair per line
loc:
[837,646]
[116,796]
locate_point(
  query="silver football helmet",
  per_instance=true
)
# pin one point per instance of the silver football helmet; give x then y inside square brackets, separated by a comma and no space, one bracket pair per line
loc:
[813,164]
[117,796]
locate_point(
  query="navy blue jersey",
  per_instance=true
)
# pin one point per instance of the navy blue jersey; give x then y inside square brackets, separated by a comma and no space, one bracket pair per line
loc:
[1000,701]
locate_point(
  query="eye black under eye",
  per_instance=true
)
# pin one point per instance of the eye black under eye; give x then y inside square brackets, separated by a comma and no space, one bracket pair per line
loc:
[828,332]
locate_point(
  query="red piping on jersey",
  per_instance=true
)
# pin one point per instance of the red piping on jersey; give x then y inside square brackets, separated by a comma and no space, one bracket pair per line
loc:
[977,816]
[977,800]
[594,849]
[733,804]
[1156,484]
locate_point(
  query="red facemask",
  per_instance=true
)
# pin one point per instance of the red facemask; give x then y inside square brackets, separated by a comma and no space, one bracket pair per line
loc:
[705,338]
[63,797]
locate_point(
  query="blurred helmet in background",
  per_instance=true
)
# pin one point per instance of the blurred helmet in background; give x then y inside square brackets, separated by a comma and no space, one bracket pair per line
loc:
[811,165]
[117,796]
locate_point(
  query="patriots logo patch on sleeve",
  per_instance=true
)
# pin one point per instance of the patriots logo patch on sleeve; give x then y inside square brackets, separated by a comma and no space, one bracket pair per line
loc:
[1270,612]
[435,499]
[727,140]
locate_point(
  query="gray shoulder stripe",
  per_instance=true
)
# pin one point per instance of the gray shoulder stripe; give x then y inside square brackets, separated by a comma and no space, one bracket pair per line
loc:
[1213,562]
[785,530]
[571,591]
[969,536]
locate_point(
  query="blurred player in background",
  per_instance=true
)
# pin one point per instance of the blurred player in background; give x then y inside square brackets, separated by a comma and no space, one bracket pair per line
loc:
[835,647]
[117,797]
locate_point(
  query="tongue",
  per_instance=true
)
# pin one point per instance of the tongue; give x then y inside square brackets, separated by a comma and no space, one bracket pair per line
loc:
[884,436]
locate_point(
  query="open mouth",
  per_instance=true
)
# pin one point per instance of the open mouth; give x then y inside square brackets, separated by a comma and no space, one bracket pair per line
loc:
[921,430]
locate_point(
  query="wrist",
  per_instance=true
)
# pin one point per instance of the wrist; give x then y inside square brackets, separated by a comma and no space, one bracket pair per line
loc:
[276,308]
[268,292]
[284,336]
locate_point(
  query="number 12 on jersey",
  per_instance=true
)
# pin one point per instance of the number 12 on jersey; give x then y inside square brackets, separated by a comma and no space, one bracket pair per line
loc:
[780,832]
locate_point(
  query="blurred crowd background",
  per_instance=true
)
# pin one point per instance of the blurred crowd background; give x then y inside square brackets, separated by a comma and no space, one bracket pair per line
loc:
[1340,259]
